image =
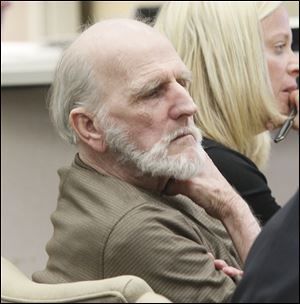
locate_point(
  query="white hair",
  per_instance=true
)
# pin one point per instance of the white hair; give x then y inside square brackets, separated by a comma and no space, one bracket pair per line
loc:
[74,86]
[155,162]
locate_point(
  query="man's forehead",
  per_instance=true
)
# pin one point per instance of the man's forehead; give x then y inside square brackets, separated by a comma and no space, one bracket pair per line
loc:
[120,33]
[154,80]
[167,75]
[114,48]
[138,57]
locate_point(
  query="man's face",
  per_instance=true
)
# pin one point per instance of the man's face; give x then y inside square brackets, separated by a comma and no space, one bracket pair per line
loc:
[150,114]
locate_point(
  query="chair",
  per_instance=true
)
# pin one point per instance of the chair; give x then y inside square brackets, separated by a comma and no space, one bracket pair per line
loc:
[17,288]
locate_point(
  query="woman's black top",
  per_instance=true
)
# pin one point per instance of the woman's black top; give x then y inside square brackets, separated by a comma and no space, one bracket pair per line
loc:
[245,177]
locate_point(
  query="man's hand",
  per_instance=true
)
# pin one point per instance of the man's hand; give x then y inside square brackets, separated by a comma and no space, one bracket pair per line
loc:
[235,273]
[228,270]
[210,190]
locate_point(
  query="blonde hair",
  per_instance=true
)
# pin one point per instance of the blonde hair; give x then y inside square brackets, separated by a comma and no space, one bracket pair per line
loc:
[222,44]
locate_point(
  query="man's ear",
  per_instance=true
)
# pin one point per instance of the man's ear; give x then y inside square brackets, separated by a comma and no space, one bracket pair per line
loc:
[83,124]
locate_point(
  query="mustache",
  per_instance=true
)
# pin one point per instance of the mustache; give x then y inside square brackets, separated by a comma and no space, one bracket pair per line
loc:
[189,130]
[159,150]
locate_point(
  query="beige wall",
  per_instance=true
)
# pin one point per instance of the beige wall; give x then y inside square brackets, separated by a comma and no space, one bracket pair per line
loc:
[126,9]
[109,9]
[16,22]
[31,153]
[41,20]
[27,21]
[293,7]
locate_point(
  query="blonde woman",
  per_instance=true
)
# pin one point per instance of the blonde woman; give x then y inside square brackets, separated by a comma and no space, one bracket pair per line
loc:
[243,74]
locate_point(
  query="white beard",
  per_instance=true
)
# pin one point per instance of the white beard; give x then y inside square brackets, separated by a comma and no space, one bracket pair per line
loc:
[155,162]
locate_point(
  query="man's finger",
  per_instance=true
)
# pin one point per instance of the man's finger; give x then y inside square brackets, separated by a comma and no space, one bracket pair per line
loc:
[211,255]
[232,272]
[220,264]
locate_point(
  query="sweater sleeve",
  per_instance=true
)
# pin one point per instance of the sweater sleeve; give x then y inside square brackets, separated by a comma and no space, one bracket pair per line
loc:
[272,268]
[159,246]
[246,178]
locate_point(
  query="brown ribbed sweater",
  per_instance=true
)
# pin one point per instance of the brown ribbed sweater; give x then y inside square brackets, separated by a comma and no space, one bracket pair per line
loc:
[104,227]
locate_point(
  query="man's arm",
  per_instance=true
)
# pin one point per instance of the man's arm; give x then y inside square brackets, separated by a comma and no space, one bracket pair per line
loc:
[242,227]
[159,245]
[210,190]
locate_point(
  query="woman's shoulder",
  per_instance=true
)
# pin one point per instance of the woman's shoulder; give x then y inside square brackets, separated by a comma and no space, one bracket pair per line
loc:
[221,153]
[245,177]
[232,164]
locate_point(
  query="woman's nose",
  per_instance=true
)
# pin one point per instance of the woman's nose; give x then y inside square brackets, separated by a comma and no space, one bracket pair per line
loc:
[293,67]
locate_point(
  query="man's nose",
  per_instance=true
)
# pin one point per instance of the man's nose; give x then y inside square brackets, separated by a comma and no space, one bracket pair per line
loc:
[182,104]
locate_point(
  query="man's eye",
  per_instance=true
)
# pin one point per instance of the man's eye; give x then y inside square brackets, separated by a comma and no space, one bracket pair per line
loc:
[182,82]
[153,94]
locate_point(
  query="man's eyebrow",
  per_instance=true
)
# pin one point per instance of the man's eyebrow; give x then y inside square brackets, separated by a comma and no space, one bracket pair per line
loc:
[140,89]
[186,75]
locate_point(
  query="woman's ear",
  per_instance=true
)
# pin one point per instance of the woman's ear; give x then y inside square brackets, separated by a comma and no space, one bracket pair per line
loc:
[83,124]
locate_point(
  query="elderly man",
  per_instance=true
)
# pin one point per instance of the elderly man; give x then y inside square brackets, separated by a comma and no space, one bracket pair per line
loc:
[120,95]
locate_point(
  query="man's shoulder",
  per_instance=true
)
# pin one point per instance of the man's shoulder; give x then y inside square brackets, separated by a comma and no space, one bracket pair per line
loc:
[94,186]
[109,200]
